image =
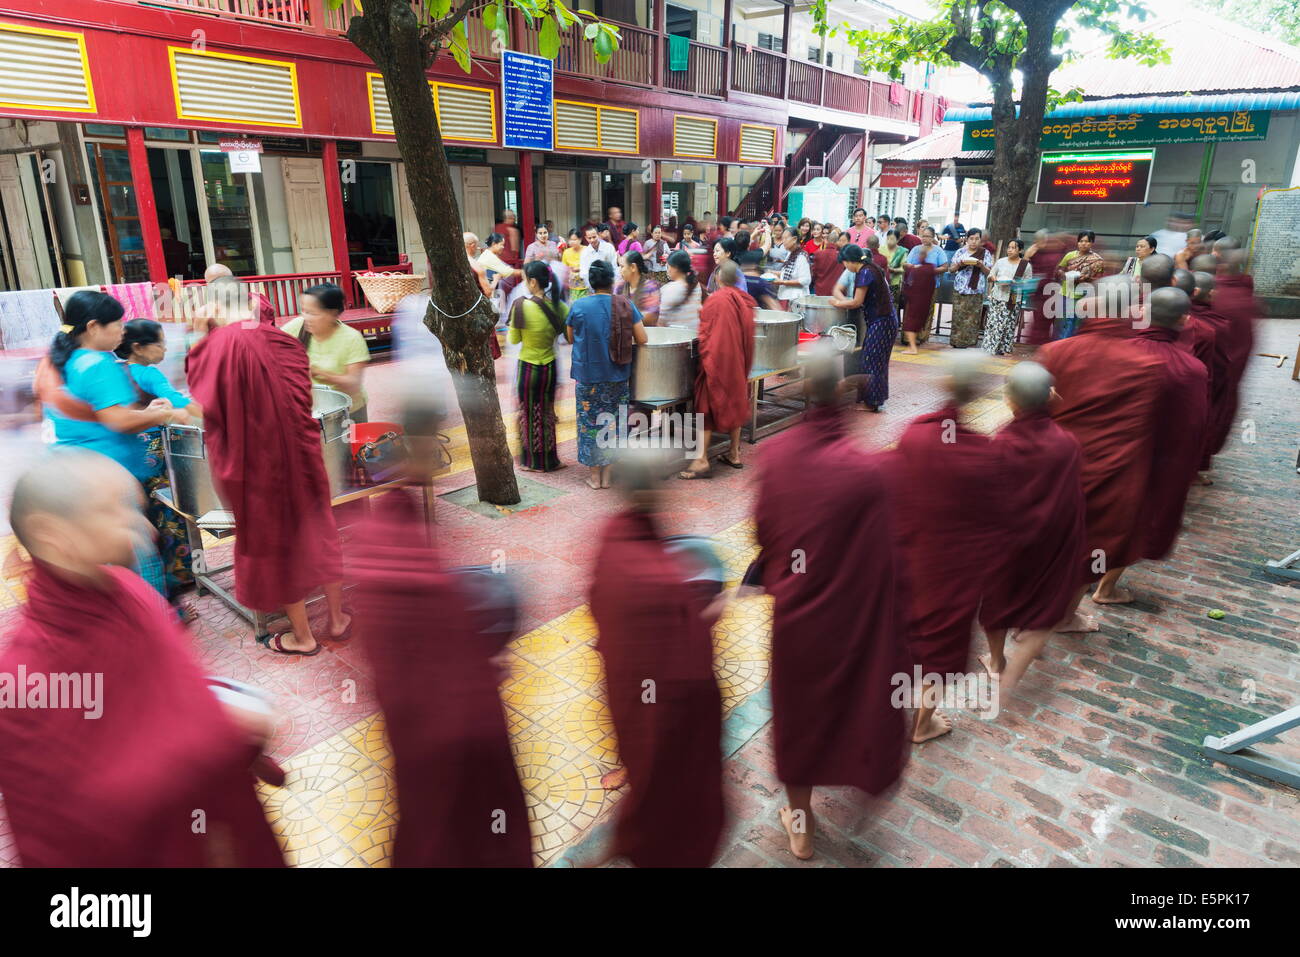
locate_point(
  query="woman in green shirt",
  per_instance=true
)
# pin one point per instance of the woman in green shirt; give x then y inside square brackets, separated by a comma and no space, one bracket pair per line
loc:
[896,255]
[337,352]
[536,322]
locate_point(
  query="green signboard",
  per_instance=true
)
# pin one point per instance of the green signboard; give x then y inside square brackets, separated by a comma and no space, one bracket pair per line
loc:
[1134,129]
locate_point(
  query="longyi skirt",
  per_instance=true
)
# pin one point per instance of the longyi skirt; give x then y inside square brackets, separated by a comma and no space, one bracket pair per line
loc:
[597,405]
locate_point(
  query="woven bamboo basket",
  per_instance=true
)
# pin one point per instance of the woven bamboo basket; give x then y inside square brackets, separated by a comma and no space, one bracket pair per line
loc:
[384,290]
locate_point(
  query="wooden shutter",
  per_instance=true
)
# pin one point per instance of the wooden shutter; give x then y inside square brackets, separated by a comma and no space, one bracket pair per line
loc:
[757,144]
[44,70]
[466,112]
[238,89]
[593,128]
[695,136]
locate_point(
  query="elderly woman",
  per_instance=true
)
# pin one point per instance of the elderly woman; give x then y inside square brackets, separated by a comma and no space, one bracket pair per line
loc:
[726,351]
[637,285]
[602,329]
[656,252]
[1144,248]
[338,353]
[1005,302]
[970,268]
[492,259]
[920,280]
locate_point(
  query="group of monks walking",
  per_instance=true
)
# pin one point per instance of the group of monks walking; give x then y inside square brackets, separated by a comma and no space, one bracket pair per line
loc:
[890,567]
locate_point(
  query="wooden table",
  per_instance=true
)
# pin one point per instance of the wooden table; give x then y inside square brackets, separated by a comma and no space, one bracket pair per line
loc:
[771,397]
[221,525]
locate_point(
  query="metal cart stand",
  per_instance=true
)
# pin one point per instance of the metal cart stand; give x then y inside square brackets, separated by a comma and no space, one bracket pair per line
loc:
[221,524]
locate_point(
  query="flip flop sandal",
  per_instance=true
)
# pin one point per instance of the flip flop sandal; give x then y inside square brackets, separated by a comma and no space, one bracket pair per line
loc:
[726,461]
[275,645]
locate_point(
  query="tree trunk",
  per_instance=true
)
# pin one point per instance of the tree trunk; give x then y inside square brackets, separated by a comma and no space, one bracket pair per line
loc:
[458,315]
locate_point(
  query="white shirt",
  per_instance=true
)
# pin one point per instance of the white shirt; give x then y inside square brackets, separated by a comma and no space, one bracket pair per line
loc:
[1004,270]
[590,255]
[1169,242]
[802,273]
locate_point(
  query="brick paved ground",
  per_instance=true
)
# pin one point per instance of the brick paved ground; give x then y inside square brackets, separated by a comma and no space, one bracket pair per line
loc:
[1095,763]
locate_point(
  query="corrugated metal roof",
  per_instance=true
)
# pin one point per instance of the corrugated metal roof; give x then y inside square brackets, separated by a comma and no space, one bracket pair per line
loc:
[1207,55]
[1203,103]
[944,143]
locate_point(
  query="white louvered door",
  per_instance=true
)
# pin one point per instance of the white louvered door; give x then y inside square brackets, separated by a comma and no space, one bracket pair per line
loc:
[412,244]
[477,215]
[557,198]
[20,232]
[309,225]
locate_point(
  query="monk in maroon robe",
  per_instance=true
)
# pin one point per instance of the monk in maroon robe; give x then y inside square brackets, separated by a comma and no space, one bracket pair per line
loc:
[826,270]
[1234,300]
[1198,333]
[1045,255]
[1036,587]
[264,449]
[663,697]
[1109,393]
[140,765]
[726,354]
[460,800]
[839,617]
[1182,415]
[950,486]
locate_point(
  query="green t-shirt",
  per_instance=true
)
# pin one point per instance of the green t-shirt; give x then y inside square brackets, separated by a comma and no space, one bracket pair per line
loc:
[335,354]
[538,335]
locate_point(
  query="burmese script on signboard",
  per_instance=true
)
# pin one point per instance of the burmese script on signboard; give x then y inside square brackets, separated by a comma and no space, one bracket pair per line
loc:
[1134,129]
[1275,255]
[1092,178]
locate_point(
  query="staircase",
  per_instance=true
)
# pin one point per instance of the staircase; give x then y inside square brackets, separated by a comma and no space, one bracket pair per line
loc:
[826,152]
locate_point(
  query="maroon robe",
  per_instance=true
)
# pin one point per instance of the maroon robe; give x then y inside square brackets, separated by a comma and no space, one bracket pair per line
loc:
[726,351]
[950,518]
[264,448]
[826,269]
[838,621]
[121,790]
[459,796]
[651,629]
[1215,327]
[1234,300]
[1036,585]
[918,296]
[263,309]
[1109,393]
[1179,436]
[1044,264]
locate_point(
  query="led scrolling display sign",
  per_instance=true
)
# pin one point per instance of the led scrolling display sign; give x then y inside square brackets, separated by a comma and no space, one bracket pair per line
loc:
[1121,176]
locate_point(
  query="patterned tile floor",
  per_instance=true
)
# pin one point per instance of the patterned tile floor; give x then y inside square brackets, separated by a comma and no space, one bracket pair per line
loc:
[338,807]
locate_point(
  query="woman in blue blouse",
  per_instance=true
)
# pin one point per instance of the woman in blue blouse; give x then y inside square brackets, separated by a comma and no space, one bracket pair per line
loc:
[82,356]
[142,348]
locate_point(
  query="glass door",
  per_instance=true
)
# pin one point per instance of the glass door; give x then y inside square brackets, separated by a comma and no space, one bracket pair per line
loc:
[229,212]
[118,213]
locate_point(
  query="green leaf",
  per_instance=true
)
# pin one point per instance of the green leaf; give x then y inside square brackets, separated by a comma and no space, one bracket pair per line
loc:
[490,16]
[438,8]
[458,44]
[591,30]
[605,47]
[548,41]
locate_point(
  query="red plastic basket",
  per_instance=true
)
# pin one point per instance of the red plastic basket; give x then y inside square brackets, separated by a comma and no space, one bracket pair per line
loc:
[363,432]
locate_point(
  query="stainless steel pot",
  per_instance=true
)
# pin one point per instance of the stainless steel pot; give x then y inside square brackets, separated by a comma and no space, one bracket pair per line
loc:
[191,476]
[818,313]
[776,340]
[663,369]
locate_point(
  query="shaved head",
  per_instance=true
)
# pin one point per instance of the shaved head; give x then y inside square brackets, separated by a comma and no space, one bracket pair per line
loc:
[1204,285]
[1226,243]
[217,271]
[76,509]
[1029,386]
[1183,280]
[1193,235]
[728,273]
[1168,307]
[964,370]
[1204,263]
[1158,270]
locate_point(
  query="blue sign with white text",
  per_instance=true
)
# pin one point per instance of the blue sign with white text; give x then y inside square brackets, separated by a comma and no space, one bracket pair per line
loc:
[527,107]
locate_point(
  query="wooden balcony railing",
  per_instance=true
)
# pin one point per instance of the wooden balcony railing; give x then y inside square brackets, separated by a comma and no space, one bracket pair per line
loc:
[758,71]
[641,60]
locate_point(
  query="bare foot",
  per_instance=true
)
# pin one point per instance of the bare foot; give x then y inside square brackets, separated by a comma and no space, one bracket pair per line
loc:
[938,725]
[987,662]
[606,481]
[1203,478]
[339,627]
[614,780]
[911,352]
[1117,596]
[594,486]
[801,841]
[1079,622]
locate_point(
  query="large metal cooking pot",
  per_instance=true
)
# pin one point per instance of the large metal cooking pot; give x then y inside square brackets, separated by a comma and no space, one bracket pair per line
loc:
[663,369]
[191,477]
[818,313]
[776,340]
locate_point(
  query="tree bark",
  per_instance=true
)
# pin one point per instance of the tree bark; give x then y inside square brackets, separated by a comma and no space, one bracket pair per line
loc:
[458,315]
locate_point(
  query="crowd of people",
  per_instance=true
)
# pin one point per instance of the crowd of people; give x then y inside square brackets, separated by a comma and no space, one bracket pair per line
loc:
[888,569]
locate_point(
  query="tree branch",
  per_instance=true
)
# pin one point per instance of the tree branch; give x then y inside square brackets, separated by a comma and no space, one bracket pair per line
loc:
[448,23]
